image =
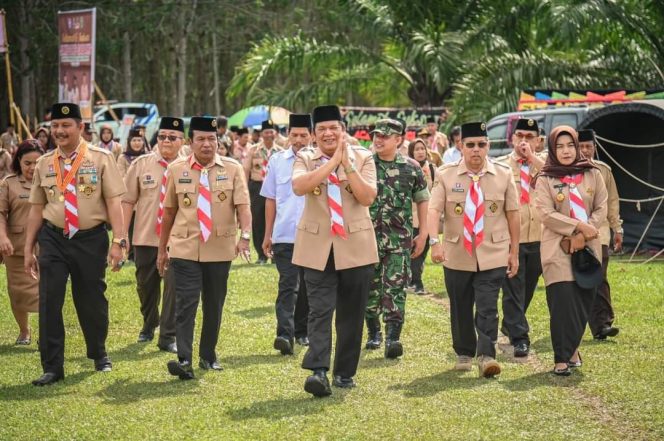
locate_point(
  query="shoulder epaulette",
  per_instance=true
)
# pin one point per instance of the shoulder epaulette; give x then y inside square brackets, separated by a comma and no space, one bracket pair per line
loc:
[602,164]
[230,160]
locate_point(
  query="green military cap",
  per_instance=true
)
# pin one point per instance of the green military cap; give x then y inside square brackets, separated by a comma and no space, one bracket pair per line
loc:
[388,127]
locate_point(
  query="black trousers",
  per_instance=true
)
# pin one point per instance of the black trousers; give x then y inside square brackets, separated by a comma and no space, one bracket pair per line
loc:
[257,217]
[417,264]
[148,286]
[518,292]
[195,281]
[348,291]
[480,289]
[292,307]
[569,306]
[601,314]
[83,258]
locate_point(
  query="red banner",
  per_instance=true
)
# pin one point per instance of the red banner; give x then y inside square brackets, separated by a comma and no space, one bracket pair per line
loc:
[77,58]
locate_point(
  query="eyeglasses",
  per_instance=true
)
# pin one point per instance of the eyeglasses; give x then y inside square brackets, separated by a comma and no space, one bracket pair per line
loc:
[480,144]
[526,136]
[171,138]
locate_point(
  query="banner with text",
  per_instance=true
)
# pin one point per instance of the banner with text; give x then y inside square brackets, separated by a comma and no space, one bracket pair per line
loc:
[77,58]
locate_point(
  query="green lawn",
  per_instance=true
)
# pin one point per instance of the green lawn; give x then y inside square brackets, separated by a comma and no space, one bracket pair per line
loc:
[617,395]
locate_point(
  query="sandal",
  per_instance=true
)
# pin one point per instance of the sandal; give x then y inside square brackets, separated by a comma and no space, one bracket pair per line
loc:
[565,372]
[576,364]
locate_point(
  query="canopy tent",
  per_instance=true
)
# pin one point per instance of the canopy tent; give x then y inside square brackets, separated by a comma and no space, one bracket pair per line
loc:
[630,138]
[254,116]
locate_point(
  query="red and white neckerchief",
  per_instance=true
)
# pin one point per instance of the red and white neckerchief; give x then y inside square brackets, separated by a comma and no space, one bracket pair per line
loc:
[71,201]
[204,203]
[473,216]
[162,196]
[335,205]
[265,153]
[577,209]
[525,180]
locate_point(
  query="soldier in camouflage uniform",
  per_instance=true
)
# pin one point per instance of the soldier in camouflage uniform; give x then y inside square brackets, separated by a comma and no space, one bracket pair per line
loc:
[400,183]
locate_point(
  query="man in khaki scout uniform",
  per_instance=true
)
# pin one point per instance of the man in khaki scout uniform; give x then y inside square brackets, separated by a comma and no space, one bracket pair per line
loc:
[336,245]
[481,244]
[146,190]
[518,291]
[601,316]
[255,168]
[206,195]
[76,191]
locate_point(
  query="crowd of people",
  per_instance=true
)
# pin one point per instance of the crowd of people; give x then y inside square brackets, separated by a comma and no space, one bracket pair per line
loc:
[348,227]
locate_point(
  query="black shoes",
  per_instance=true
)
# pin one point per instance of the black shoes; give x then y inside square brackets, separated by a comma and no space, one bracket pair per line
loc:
[317,384]
[393,347]
[607,331]
[181,369]
[343,382]
[48,378]
[521,349]
[418,288]
[375,337]
[145,336]
[283,345]
[103,365]
[214,366]
[302,341]
[168,347]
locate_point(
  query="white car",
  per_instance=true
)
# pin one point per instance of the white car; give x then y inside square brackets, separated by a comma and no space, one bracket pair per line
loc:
[131,114]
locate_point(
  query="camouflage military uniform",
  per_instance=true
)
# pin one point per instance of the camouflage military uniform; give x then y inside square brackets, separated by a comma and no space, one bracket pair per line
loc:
[400,183]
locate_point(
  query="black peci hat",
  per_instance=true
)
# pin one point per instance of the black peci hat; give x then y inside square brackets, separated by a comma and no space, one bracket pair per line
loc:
[171,123]
[526,124]
[587,268]
[473,129]
[242,131]
[299,120]
[326,113]
[431,120]
[268,125]
[65,110]
[587,135]
[203,124]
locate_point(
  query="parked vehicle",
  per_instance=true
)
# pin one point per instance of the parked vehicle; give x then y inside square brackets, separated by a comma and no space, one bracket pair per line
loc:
[146,114]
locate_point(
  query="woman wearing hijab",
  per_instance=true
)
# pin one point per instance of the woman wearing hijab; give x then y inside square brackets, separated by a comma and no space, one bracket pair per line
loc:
[571,200]
[135,148]
[14,207]
[419,151]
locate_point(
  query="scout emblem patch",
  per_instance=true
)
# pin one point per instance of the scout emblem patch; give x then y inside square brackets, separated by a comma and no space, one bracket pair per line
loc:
[458,209]
[222,196]
[88,190]
[560,196]
[317,191]
[493,207]
[186,201]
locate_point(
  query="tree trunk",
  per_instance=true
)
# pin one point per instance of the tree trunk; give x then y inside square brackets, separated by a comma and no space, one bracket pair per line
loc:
[181,56]
[26,71]
[126,67]
[215,72]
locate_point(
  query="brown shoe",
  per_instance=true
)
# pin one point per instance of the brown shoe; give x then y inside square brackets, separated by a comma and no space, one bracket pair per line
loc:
[463,363]
[488,366]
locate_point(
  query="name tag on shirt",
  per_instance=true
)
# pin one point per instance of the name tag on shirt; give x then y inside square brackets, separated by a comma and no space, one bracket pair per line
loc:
[457,188]
[222,177]
[184,181]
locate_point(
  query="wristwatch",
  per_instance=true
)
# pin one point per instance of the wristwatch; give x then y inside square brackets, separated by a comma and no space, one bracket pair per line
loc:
[433,241]
[121,242]
[245,235]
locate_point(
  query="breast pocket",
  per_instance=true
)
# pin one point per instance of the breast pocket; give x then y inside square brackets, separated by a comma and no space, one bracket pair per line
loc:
[222,192]
[494,204]
[455,204]
[50,189]
[149,183]
[186,194]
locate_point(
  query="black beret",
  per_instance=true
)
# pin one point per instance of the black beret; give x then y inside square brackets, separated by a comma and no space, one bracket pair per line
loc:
[65,110]
[243,131]
[203,124]
[526,124]
[326,113]
[299,120]
[586,135]
[268,125]
[171,123]
[473,129]
[87,127]
[587,269]
[431,119]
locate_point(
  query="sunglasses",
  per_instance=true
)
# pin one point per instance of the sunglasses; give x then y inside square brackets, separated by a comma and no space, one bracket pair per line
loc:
[471,145]
[171,138]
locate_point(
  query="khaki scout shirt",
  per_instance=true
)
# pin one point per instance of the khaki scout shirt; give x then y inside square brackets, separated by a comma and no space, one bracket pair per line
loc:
[612,220]
[531,226]
[124,163]
[313,238]
[449,197]
[557,223]
[14,209]
[253,163]
[143,181]
[228,189]
[97,173]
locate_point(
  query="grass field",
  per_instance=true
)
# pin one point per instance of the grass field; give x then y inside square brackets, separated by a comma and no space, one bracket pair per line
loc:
[617,395]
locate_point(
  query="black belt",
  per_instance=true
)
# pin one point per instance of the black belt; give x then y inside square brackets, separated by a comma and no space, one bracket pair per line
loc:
[79,233]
